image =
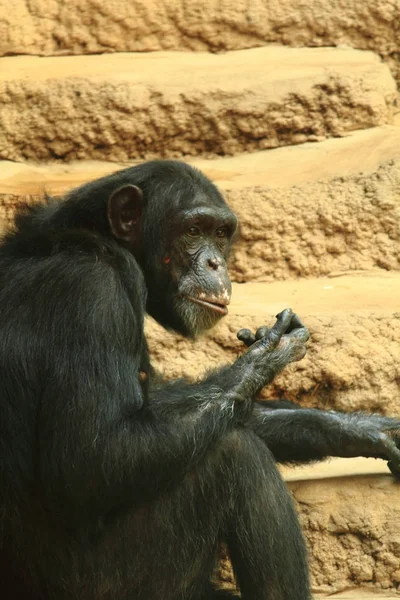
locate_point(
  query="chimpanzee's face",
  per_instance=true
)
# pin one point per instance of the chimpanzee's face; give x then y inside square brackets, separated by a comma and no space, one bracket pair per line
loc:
[181,234]
[197,285]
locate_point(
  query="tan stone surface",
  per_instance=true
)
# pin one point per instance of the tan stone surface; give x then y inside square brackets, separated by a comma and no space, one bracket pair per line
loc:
[91,26]
[318,228]
[361,594]
[358,152]
[350,514]
[334,468]
[353,361]
[123,106]
[352,526]
[361,151]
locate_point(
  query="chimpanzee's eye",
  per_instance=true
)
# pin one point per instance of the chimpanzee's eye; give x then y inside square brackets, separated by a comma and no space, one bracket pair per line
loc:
[193,231]
[221,232]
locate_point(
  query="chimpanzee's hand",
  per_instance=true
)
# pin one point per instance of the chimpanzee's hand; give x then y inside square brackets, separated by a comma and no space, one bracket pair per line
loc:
[285,340]
[289,331]
[283,343]
[378,437]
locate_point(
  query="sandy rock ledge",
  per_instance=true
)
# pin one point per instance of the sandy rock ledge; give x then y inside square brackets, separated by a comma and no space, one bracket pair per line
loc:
[92,26]
[318,228]
[124,106]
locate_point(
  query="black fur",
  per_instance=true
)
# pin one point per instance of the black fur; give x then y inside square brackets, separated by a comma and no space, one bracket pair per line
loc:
[112,488]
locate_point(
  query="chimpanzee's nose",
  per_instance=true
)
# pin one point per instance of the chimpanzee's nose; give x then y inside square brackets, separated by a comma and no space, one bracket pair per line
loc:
[214,263]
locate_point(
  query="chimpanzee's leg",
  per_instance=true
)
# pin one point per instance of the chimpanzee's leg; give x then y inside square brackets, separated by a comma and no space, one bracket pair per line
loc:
[168,547]
[236,495]
[265,541]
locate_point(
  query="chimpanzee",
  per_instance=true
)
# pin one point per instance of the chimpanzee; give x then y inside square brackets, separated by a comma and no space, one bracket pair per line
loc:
[182,241]
[114,486]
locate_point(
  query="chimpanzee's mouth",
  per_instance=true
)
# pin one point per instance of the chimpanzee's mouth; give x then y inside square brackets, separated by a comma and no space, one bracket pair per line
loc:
[218,307]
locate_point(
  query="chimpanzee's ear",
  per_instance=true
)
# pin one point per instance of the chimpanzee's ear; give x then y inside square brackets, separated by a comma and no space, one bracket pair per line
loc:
[125,208]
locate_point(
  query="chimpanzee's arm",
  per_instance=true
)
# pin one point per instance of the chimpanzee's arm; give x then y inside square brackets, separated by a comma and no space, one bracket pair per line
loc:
[100,441]
[244,379]
[227,394]
[102,438]
[301,435]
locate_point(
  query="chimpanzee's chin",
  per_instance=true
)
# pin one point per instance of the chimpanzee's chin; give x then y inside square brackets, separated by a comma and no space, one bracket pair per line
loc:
[193,318]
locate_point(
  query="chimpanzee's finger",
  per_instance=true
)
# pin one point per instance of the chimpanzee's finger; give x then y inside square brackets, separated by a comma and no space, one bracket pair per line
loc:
[277,331]
[394,469]
[262,332]
[295,323]
[283,320]
[392,452]
[301,333]
[246,336]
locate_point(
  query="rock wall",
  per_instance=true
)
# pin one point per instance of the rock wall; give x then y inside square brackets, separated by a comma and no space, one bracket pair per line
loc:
[54,27]
[303,140]
[269,97]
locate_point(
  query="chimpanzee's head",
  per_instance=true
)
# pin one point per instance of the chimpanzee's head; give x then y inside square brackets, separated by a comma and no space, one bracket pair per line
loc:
[180,230]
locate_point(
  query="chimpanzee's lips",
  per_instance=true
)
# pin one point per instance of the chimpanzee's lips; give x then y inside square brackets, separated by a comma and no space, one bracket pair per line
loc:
[219,307]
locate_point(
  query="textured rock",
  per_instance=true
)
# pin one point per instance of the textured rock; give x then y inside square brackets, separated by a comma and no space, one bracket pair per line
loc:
[361,151]
[352,528]
[351,521]
[353,362]
[118,107]
[350,514]
[361,594]
[92,26]
[317,228]
[358,152]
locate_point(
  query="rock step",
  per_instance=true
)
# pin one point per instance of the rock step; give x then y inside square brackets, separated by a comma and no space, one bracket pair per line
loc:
[350,514]
[322,228]
[360,594]
[124,106]
[361,151]
[353,361]
[147,25]
[291,224]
